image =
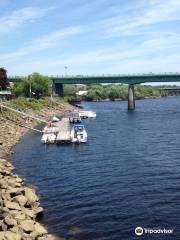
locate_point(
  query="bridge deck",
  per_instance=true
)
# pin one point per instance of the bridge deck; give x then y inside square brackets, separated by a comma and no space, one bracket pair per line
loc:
[126,79]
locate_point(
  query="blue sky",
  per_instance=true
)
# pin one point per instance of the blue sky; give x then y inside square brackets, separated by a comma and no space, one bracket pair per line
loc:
[89,37]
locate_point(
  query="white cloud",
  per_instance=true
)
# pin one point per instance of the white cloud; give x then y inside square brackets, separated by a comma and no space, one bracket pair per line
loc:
[20,17]
[157,11]
[50,40]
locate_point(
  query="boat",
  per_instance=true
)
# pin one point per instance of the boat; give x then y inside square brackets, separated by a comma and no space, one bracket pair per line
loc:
[87,114]
[55,119]
[78,134]
[75,118]
[48,138]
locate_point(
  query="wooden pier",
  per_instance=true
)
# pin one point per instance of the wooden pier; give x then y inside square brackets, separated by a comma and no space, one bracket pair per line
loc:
[64,135]
[61,130]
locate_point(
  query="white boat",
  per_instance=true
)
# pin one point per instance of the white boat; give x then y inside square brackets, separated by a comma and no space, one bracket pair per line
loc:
[78,134]
[55,119]
[87,114]
[48,138]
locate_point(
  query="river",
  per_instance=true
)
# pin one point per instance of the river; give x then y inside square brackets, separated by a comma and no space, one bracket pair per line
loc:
[127,175]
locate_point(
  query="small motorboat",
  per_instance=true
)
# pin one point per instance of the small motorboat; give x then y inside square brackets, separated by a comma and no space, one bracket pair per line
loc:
[87,114]
[78,134]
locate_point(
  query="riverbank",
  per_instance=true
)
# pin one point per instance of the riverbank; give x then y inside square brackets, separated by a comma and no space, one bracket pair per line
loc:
[20,205]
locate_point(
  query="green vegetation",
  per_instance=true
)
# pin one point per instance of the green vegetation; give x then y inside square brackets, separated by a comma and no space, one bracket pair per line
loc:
[34,104]
[70,90]
[36,85]
[119,91]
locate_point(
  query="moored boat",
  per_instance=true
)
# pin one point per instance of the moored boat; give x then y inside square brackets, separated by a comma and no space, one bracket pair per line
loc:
[87,114]
[78,134]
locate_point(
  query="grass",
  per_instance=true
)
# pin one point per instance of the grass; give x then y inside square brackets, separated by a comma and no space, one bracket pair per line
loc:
[34,104]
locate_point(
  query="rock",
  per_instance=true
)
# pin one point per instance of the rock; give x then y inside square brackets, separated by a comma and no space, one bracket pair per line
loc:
[3,226]
[31,195]
[2,214]
[2,234]
[15,229]
[40,229]
[19,180]
[38,211]
[12,205]
[12,236]
[18,215]
[50,237]
[13,183]
[26,236]
[22,200]
[27,225]
[29,212]
[10,221]
[15,191]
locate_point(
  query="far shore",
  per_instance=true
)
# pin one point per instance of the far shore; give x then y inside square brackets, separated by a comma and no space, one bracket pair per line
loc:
[120,99]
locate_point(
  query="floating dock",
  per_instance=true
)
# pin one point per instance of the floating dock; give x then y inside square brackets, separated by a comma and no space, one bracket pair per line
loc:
[60,129]
[64,134]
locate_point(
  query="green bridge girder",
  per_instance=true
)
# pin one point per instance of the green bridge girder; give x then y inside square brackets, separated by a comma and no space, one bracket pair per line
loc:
[125,79]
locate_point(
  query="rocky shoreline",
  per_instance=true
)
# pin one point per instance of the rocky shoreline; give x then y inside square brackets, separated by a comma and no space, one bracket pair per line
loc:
[19,205]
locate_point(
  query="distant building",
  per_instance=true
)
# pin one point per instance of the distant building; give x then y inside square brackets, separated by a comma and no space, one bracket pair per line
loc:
[6,95]
[81,93]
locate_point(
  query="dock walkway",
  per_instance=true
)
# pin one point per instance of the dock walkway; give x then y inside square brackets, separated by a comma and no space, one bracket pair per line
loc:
[61,130]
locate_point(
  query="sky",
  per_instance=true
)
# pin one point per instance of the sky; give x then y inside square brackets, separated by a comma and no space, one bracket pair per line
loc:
[89,37]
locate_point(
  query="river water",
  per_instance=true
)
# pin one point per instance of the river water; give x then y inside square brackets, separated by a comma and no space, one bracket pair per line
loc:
[127,175]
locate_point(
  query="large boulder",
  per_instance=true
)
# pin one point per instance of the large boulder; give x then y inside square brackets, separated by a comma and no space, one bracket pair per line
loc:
[12,236]
[12,205]
[22,200]
[15,191]
[40,229]
[31,195]
[10,221]
[27,225]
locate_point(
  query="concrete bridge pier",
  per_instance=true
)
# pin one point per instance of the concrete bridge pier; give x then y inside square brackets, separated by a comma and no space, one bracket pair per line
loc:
[58,87]
[131,98]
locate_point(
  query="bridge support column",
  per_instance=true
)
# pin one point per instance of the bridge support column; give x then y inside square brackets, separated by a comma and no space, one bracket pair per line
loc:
[131,99]
[58,87]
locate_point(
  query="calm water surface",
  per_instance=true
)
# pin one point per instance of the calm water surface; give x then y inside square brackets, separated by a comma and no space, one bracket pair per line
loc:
[128,174]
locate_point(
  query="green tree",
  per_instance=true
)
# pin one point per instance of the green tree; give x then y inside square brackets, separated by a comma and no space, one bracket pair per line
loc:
[35,85]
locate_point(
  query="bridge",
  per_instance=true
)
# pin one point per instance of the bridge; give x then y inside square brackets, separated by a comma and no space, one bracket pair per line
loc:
[130,79]
[171,90]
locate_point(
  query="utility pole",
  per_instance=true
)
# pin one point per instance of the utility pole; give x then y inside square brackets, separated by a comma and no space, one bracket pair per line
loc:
[30,90]
[66,70]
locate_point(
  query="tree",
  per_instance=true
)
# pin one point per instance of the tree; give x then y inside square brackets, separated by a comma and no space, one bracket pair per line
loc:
[3,79]
[35,85]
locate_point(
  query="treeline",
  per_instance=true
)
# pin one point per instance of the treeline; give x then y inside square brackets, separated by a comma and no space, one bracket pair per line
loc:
[38,86]
[120,91]
[35,86]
